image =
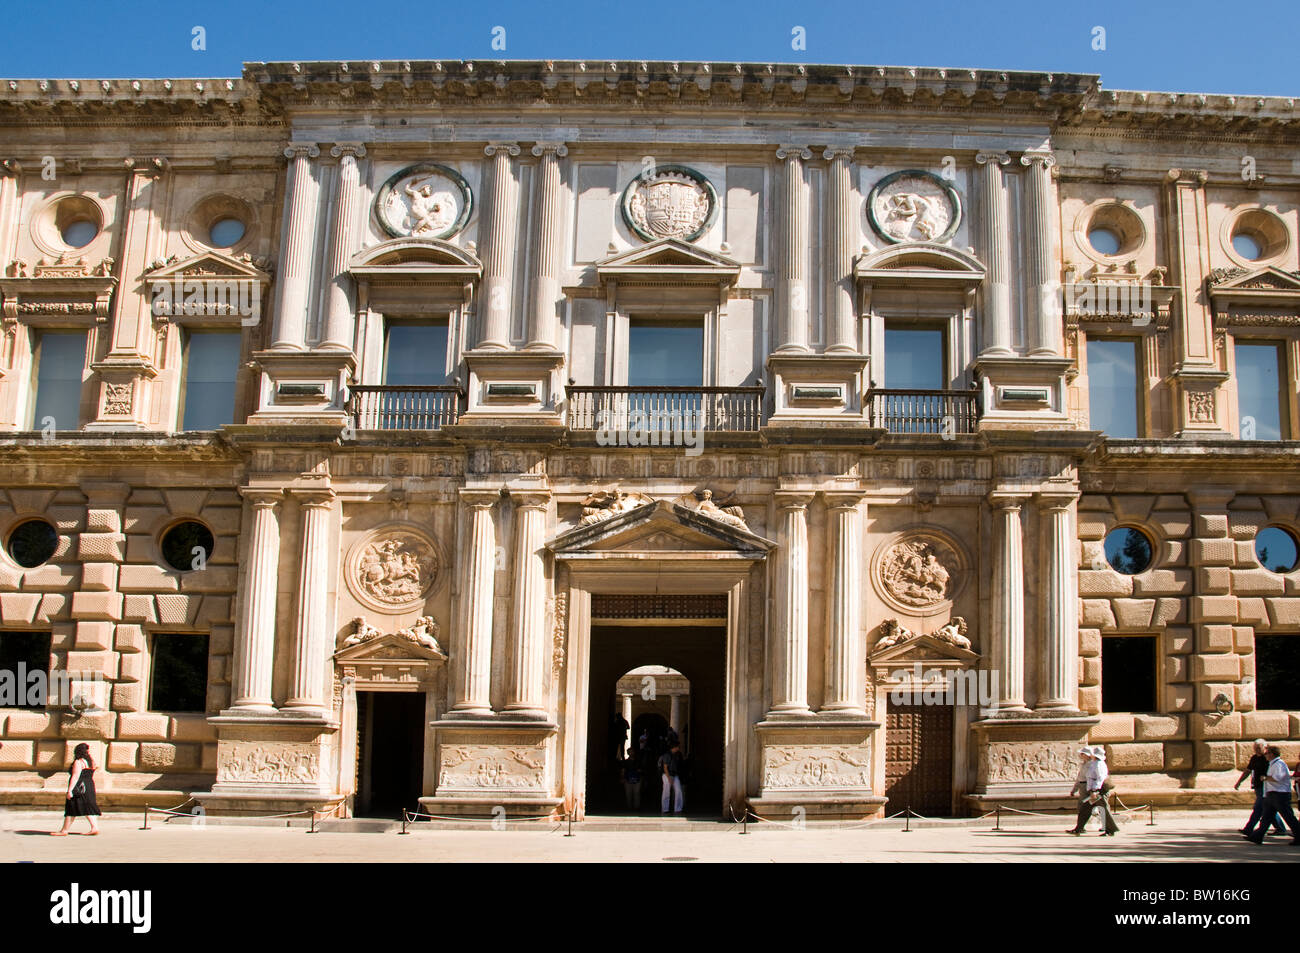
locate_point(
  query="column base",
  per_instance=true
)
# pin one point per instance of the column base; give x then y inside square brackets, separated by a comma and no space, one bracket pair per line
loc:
[1024,755]
[506,386]
[823,765]
[816,387]
[493,763]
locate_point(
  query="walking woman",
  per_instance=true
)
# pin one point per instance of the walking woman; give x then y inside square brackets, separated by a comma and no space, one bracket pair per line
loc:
[81,792]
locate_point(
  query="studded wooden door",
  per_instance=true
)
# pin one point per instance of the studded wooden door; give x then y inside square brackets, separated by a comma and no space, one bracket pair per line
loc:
[918,759]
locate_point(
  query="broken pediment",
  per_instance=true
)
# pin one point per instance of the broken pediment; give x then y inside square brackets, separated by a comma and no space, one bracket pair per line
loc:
[928,649]
[663,528]
[669,258]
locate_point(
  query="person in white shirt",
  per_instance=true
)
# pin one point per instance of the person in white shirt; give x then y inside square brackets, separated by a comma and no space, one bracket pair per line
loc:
[1097,794]
[1277,798]
[1080,790]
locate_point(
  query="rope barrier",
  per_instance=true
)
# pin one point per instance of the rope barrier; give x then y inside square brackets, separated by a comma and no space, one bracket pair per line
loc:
[172,812]
[408,816]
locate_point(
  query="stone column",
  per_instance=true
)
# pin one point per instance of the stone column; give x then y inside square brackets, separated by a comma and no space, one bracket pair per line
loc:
[340,316]
[1060,607]
[627,716]
[992,237]
[10,170]
[841,227]
[1009,602]
[528,635]
[296,243]
[1043,286]
[675,712]
[790,604]
[846,663]
[792,255]
[255,637]
[311,639]
[498,249]
[476,593]
[548,235]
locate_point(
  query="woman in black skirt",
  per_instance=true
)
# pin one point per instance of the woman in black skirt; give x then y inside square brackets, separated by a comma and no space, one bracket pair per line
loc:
[81,792]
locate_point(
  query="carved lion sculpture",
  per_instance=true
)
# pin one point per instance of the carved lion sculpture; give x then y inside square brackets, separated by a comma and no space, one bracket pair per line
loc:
[954,633]
[894,634]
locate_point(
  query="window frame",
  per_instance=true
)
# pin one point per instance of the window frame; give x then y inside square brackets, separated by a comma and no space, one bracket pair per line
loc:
[151,679]
[38,335]
[1141,394]
[187,336]
[1286,381]
[1158,685]
[437,319]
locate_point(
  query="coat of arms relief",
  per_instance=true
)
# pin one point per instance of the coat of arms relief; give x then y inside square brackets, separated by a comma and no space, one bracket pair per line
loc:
[669,202]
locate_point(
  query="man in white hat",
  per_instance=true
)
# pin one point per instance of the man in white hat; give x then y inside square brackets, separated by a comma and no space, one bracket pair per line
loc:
[1098,792]
[1080,789]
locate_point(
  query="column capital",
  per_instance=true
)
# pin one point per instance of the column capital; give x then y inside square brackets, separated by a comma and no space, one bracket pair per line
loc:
[1196,177]
[508,148]
[480,499]
[262,496]
[793,499]
[1043,158]
[557,149]
[295,149]
[10,167]
[1007,499]
[1056,499]
[790,153]
[843,499]
[998,158]
[831,153]
[152,167]
[315,497]
[353,150]
[530,499]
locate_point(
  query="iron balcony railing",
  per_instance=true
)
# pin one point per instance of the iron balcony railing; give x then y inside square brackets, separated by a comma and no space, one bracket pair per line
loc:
[941,412]
[410,407]
[665,410]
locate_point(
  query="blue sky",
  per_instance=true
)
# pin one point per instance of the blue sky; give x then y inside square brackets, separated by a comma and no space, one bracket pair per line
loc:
[1190,45]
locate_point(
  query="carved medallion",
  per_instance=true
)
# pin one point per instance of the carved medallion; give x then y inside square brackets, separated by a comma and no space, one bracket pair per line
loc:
[913,206]
[424,201]
[1200,406]
[671,201]
[919,573]
[393,569]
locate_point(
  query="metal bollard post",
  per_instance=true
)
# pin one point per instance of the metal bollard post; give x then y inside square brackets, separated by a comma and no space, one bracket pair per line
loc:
[404,820]
[907,820]
[997,823]
[568,815]
[1151,822]
[146,818]
[313,822]
[744,820]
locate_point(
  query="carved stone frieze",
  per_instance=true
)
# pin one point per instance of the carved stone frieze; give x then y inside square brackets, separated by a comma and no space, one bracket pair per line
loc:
[269,763]
[472,767]
[919,572]
[1030,761]
[812,766]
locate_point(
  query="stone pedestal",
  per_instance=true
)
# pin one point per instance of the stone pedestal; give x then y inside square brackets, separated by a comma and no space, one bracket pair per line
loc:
[303,387]
[273,765]
[821,768]
[1018,393]
[514,387]
[819,387]
[490,766]
[1027,761]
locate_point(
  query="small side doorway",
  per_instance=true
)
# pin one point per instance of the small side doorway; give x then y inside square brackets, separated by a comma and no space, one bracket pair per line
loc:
[918,759]
[390,752]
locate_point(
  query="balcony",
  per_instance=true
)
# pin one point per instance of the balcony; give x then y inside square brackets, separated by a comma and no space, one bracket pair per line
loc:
[414,407]
[664,410]
[940,412]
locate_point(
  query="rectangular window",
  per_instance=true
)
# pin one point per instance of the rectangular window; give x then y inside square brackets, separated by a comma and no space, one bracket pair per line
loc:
[1259,390]
[665,354]
[179,678]
[211,361]
[1128,673]
[1113,387]
[415,353]
[914,358]
[1277,660]
[60,361]
[21,655]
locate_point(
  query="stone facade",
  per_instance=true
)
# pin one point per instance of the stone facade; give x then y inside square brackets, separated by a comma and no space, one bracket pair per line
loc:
[463,542]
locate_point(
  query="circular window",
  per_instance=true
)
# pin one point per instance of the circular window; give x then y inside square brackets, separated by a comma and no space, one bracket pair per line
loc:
[1276,549]
[225,232]
[1247,246]
[32,543]
[187,546]
[70,221]
[1104,241]
[79,234]
[1256,235]
[1128,550]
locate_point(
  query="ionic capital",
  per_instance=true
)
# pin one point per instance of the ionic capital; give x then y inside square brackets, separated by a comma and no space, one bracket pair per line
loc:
[557,150]
[1001,158]
[508,148]
[1043,159]
[352,150]
[834,153]
[295,150]
[530,499]
[790,153]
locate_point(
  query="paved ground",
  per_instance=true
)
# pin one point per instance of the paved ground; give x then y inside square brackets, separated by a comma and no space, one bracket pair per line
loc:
[1176,837]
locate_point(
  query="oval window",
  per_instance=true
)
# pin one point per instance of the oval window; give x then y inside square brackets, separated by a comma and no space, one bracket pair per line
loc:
[1276,549]
[1247,246]
[79,234]
[225,232]
[187,546]
[32,543]
[1128,550]
[1104,241]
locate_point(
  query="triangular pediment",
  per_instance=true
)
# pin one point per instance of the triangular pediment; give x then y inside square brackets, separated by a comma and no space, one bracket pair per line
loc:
[390,647]
[923,648]
[1259,279]
[669,257]
[208,266]
[659,527]
[415,258]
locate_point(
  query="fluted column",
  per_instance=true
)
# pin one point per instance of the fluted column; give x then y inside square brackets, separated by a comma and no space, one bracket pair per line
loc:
[475,683]
[841,226]
[846,664]
[255,638]
[790,651]
[340,320]
[793,252]
[528,626]
[993,239]
[1060,607]
[296,243]
[311,639]
[1009,601]
[547,238]
[498,248]
[1043,284]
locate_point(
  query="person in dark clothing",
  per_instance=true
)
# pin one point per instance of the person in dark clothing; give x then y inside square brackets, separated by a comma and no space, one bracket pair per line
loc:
[1277,798]
[1256,768]
[618,729]
[671,768]
[81,792]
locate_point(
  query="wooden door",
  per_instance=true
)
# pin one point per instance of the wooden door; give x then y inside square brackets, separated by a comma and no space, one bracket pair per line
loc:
[918,759]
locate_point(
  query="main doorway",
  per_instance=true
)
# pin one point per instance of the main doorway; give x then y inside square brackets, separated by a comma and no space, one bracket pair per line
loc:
[390,752]
[918,758]
[671,672]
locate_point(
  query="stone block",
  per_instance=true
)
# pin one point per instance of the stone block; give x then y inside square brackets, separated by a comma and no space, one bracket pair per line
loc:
[191,728]
[1134,613]
[208,760]
[1175,553]
[49,756]
[139,609]
[100,520]
[1179,756]
[1216,638]
[18,754]
[98,724]
[94,635]
[1179,698]
[1257,582]
[1213,552]
[31,724]
[1163,582]
[18,608]
[218,697]
[1251,611]
[11,578]
[123,755]
[1169,611]
[1214,726]
[1089,642]
[215,609]
[1104,582]
[1176,668]
[1090,699]
[141,549]
[177,609]
[1214,580]
[97,605]
[101,547]
[1210,525]
[1178,640]
[1090,671]
[1245,524]
[1113,726]
[1216,756]
[146,578]
[63,637]
[1093,525]
[1214,609]
[129,638]
[1270,725]
[221,640]
[1243,639]
[1219,668]
[52,577]
[99,577]
[1173,524]
[68,519]
[132,666]
[128,696]
[1143,756]
[211,579]
[1097,613]
[1158,727]
[163,757]
[144,520]
[99,663]
[54,605]
[143,726]
[1283,612]
[97,747]
[1293,721]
